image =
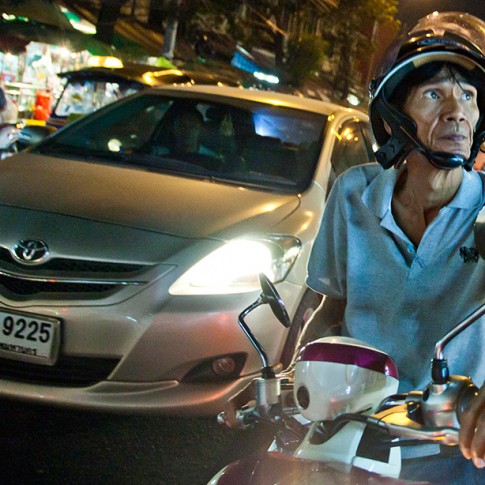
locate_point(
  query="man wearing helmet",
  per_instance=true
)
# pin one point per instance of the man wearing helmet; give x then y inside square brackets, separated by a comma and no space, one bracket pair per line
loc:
[395,254]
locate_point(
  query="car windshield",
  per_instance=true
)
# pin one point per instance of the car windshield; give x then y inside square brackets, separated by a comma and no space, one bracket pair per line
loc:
[229,140]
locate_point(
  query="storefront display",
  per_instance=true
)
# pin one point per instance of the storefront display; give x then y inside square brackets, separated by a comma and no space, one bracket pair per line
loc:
[30,77]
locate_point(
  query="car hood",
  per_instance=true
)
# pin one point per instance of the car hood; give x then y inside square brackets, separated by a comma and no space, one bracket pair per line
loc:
[137,198]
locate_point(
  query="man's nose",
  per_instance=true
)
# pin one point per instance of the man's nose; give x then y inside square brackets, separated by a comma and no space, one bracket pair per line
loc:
[453,109]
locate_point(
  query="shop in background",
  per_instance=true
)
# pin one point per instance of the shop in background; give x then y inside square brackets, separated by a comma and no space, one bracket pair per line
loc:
[30,77]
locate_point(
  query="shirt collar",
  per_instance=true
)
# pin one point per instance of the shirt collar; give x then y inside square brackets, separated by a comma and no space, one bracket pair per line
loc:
[377,197]
[470,193]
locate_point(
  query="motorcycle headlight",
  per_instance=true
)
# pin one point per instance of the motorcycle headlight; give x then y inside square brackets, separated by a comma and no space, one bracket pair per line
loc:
[235,266]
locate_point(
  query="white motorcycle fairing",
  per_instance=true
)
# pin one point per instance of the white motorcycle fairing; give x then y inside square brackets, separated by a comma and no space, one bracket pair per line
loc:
[338,375]
[335,375]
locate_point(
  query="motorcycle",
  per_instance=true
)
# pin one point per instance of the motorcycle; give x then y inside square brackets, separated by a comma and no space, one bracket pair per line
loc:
[339,418]
[20,135]
[9,135]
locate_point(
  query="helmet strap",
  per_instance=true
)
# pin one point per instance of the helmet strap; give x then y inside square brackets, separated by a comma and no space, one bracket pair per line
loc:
[479,139]
[400,142]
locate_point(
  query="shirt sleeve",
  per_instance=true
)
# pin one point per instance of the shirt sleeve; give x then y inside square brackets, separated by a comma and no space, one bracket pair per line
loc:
[327,266]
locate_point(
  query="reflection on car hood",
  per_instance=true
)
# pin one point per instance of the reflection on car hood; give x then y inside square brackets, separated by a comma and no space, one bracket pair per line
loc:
[131,197]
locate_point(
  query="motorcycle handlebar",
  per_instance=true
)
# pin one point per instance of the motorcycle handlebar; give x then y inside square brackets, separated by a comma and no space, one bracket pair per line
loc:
[247,416]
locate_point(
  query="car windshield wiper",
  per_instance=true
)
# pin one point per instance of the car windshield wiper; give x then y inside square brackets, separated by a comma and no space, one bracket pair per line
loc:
[141,159]
[253,183]
[169,164]
[138,159]
[161,162]
[61,149]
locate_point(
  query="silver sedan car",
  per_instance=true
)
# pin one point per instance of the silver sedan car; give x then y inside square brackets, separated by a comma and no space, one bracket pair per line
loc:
[131,239]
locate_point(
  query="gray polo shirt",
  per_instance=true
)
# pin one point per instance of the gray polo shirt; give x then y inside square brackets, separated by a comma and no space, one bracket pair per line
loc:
[400,298]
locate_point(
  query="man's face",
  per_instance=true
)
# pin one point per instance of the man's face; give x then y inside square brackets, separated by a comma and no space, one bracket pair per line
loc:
[445,111]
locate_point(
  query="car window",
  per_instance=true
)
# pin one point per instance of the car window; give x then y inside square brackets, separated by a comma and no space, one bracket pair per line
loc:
[353,146]
[232,140]
[85,96]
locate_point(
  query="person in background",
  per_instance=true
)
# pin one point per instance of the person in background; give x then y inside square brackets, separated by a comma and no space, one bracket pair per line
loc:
[181,132]
[8,108]
[187,131]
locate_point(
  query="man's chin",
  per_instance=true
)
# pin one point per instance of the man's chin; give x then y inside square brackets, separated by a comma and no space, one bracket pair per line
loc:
[455,151]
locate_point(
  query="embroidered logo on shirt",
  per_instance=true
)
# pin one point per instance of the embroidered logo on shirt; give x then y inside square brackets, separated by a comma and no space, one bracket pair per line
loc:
[469,255]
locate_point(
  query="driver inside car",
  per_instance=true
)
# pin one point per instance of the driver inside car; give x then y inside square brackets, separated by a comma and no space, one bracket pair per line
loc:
[181,132]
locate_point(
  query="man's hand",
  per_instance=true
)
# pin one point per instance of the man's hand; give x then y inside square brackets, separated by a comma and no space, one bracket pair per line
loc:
[236,402]
[472,430]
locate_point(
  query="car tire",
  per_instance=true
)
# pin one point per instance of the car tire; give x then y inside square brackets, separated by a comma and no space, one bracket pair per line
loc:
[308,304]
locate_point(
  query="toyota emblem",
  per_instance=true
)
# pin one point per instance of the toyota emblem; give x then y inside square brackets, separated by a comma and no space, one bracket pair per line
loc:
[29,251]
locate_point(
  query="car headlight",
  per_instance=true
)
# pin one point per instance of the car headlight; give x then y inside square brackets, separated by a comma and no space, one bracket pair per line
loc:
[235,266]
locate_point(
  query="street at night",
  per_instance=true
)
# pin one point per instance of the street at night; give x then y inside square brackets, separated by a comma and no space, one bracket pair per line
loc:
[50,446]
[270,208]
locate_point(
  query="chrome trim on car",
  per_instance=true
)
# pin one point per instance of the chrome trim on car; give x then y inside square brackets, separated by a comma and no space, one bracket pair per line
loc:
[57,279]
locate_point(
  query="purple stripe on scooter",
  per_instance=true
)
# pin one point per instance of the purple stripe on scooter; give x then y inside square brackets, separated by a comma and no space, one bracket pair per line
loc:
[351,355]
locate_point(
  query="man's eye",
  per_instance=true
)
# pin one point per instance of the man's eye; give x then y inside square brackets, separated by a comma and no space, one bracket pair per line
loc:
[431,95]
[468,95]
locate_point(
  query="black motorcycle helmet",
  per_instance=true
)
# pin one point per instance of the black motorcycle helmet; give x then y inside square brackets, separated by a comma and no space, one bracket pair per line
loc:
[450,38]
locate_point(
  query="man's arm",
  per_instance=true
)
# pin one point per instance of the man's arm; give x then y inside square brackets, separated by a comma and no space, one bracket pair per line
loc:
[326,320]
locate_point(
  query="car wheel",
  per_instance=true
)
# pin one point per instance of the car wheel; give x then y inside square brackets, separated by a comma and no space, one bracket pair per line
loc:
[307,306]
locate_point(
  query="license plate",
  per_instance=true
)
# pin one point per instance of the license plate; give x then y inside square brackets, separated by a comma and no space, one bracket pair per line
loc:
[28,337]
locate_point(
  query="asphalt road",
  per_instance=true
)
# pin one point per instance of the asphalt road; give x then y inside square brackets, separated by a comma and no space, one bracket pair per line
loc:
[42,445]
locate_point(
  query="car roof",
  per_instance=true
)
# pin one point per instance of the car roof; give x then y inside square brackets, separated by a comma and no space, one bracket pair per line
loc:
[146,75]
[261,96]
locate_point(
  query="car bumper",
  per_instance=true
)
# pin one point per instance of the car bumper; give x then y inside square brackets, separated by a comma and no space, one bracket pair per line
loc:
[166,397]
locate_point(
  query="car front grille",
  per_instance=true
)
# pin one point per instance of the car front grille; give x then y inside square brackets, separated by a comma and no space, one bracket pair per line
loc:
[21,287]
[64,277]
[75,265]
[67,372]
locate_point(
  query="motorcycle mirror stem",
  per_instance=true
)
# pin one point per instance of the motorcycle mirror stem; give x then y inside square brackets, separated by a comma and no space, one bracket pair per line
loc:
[269,296]
[267,370]
[439,367]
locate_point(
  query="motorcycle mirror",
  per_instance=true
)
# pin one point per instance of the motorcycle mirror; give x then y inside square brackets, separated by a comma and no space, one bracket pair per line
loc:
[479,230]
[271,296]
